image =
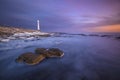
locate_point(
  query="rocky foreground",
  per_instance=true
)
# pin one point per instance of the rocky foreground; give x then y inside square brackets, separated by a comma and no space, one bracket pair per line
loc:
[10,33]
[40,55]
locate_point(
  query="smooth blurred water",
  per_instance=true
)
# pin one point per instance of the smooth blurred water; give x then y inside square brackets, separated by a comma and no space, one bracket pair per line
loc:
[85,58]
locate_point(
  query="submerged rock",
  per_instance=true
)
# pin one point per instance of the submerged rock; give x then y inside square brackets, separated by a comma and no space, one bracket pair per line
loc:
[41,54]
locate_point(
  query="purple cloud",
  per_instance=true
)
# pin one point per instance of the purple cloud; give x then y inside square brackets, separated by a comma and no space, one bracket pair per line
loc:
[59,15]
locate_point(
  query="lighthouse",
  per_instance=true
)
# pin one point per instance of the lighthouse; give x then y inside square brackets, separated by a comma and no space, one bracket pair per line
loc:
[38,25]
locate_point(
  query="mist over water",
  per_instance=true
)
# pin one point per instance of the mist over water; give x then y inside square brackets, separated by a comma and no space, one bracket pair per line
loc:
[85,58]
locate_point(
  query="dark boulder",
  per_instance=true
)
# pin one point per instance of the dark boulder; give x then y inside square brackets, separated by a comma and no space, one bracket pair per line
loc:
[40,50]
[24,56]
[118,38]
[93,35]
[30,58]
[54,52]
[41,54]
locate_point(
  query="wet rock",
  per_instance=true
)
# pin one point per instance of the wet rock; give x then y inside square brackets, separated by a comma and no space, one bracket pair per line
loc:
[54,52]
[40,50]
[118,38]
[82,34]
[93,35]
[106,36]
[24,56]
[41,54]
[30,58]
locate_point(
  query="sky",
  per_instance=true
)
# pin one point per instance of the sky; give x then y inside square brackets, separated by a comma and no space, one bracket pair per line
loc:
[72,16]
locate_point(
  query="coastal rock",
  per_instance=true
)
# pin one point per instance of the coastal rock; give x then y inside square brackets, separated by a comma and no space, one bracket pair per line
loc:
[54,52]
[106,35]
[82,34]
[40,50]
[118,38]
[41,54]
[30,58]
[93,35]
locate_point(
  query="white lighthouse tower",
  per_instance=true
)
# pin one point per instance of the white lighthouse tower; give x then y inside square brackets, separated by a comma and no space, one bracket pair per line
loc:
[38,25]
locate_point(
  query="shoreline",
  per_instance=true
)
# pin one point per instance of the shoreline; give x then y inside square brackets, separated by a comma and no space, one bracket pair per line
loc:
[11,33]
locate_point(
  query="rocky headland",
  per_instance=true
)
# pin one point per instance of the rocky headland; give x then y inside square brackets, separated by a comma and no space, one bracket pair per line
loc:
[10,33]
